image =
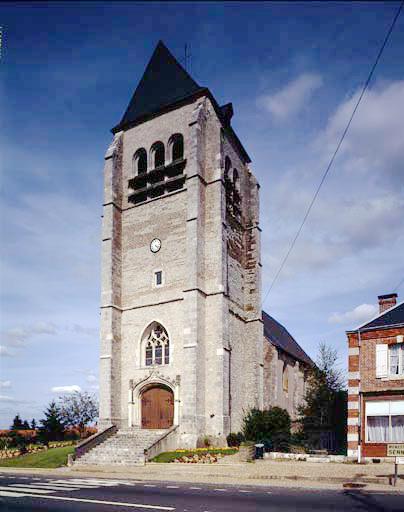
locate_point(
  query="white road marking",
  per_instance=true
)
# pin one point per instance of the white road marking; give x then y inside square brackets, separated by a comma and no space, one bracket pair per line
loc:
[22,489]
[172,487]
[95,481]
[149,485]
[196,488]
[84,483]
[11,494]
[242,490]
[47,486]
[97,502]
[221,490]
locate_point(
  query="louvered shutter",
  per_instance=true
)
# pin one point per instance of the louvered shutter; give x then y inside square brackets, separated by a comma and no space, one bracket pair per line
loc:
[381,360]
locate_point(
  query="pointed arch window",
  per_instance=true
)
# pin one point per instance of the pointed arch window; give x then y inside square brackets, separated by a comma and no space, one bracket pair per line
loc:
[156,345]
[157,155]
[140,162]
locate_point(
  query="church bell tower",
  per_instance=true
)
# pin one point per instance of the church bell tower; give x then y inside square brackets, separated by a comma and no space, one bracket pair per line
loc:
[181,327]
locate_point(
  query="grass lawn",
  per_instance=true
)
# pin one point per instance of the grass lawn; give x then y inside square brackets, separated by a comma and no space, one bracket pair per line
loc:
[170,456]
[52,458]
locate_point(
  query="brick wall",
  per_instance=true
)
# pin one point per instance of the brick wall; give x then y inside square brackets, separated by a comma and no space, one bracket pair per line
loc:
[362,381]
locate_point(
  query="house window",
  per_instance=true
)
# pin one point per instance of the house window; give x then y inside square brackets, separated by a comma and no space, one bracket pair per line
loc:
[158,278]
[396,359]
[389,360]
[156,345]
[385,421]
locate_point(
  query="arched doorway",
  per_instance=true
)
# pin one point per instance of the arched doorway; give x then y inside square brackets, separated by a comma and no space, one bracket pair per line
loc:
[157,407]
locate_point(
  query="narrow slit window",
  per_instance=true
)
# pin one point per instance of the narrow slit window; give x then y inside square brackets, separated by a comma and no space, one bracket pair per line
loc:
[158,278]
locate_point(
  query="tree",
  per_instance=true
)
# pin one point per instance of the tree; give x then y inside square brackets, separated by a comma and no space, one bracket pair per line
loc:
[53,425]
[25,425]
[17,423]
[271,426]
[79,410]
[33,424]
[325,407]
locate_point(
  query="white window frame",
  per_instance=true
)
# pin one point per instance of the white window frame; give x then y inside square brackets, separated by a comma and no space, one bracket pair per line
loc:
[400,374]
[387,405]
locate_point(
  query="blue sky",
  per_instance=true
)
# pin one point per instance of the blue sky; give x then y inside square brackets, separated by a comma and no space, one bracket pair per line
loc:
[292,71]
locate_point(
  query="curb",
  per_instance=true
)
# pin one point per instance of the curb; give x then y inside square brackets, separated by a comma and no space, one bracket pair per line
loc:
[104,472]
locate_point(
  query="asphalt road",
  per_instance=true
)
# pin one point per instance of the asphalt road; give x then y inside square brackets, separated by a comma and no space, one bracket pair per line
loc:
[40,494]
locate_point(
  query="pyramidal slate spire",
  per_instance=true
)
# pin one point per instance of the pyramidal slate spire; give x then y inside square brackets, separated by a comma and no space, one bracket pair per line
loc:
[164,83]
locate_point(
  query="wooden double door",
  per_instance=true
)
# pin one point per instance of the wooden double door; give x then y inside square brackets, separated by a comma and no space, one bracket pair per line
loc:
[157,408]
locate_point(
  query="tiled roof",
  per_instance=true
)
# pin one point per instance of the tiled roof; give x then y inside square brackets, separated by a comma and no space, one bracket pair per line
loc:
[393,316]
[281,338]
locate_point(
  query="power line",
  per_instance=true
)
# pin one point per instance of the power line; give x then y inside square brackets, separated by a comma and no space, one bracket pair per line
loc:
[335,152]
[399,284]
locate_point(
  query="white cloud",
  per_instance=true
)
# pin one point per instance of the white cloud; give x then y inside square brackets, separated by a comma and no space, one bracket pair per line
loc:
[359,212]
[66,389]
[18,336]
[5,398]
[357,315]
[293,97]
[91,378]
[5,351]
[80,329]
[375,141]
[5,384]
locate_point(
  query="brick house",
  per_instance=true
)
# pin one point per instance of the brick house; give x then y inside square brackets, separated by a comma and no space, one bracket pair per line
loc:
[376,382]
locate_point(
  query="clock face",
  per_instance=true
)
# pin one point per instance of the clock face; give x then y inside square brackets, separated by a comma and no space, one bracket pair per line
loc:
[155,245]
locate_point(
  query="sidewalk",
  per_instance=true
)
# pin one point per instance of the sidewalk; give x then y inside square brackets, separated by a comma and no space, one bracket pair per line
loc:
[258,473]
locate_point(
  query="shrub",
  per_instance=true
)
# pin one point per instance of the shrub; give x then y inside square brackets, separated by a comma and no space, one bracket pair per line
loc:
[17,440]
[234,439]
[72,434]
[4,443]
[206,441]
[280,441]
[271,426]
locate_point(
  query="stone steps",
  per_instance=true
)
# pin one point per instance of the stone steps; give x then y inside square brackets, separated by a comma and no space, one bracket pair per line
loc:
[126,447]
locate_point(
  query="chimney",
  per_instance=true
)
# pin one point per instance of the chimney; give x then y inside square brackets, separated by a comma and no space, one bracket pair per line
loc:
[387,301]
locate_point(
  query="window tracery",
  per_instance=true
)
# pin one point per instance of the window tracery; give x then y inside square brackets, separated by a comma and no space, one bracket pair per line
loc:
[156,345]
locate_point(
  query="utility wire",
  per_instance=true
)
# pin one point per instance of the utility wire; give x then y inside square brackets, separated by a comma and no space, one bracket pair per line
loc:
[399,284]
[335,152]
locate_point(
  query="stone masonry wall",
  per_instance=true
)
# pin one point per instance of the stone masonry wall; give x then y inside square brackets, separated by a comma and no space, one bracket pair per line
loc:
[210,299]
